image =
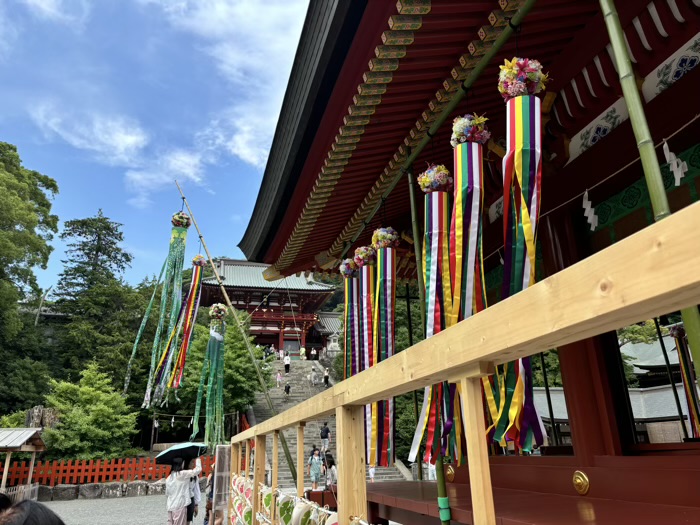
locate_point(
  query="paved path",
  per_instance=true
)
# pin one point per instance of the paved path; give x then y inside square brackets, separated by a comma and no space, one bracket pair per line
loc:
[146,510]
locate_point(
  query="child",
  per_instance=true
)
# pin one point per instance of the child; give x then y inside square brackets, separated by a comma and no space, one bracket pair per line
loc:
[287,390]
[279,379]
[371,473]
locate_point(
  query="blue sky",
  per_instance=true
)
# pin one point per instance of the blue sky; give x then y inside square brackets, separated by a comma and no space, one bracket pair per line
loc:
[117,98]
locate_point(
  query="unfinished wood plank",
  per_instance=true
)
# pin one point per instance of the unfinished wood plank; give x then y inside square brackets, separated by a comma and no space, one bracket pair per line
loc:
[246,471]
[275,458]
[352,487]
[301,457]
[259,474]
[483,510]
[6,469]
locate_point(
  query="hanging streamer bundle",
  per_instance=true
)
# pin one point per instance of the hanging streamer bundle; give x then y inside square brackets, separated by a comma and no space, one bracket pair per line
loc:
[688,377]
[170,306]
[188,316]
[213,378]
[384,241]
[364,259]
[509,392]
[437,417]
[348,269]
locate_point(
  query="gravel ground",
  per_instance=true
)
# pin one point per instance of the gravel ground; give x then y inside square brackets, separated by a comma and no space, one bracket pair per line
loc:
[146,510]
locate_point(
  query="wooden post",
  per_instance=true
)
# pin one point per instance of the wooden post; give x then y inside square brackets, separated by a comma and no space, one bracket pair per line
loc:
[259,474]
[352,485]
[240,458]
[275,473]
[301,456]
[483,511]
[6,470]
[31,468]
[246,469]
[275,458]
[235,461]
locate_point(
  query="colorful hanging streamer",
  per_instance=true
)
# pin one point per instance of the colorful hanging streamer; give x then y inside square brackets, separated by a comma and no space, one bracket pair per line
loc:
[213,378]
[351,322]
[689,379]
[367,280]
[170,306]
[509,393]
[437,418]
[382,429]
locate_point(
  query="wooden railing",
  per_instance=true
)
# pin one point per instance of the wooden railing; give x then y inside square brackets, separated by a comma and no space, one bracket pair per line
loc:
[93,471]
[653,272]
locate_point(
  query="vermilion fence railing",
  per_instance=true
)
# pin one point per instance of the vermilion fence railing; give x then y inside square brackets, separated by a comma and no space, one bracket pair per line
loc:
[91,471]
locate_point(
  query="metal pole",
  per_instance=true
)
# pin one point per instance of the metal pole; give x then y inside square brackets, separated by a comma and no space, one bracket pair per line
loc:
[647,152]
[681,417]
[153,430]
[555,434]
[450,107]
[261,380]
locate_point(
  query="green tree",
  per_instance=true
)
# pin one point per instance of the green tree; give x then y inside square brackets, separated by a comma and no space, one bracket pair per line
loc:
[14,420]
[94,419]
[26,227]
[644,332]
[240,380]
[26,381]
[95,257]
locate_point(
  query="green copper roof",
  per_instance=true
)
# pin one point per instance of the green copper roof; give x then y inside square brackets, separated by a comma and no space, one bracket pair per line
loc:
[247,274]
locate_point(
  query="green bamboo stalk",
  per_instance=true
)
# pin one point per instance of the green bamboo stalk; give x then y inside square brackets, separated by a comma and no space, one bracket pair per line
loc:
[647,151]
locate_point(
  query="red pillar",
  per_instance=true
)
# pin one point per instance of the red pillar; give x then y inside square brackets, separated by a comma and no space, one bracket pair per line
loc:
[281,336]
[303,337]
[584,371]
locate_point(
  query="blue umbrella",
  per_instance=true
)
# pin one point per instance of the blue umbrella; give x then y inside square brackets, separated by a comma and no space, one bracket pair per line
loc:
[185,451]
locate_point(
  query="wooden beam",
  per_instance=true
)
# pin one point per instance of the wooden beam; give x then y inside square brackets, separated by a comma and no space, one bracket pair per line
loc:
[246,471]
[6,469]
[31,468]
[259,474]
[352,487]
[483,510]
[301,457]
[275,458]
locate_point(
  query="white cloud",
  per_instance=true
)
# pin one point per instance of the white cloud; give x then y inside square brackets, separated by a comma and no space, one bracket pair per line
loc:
[253,48]
[176,164]
[8,33]
[114,139]
[71,12]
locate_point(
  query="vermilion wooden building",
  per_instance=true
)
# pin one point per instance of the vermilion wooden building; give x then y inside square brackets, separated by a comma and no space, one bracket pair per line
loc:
[371,84]
[282,313]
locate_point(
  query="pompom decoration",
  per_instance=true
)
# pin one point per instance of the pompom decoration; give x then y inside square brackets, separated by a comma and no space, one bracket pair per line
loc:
[199,260]
[469,128]
[436,178]
[521,76]
[181,220]
[385,238]
[364,255]
[217,311]
[348,268]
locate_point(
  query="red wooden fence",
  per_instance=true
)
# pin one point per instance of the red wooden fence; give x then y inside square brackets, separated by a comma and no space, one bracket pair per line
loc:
[92,471]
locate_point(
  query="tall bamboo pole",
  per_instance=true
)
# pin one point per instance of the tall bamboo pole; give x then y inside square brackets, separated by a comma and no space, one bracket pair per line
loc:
[647,151]
[261,380]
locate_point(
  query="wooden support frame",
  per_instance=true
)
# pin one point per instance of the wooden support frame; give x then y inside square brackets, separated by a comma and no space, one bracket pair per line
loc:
[301,459]
[6,469]
[259,470]
[647,274]
[483,510]
[352,486]
[246,468]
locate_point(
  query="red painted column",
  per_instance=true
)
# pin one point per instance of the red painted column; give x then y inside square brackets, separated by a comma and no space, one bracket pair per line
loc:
[303,337]
[281,337]
[594,429]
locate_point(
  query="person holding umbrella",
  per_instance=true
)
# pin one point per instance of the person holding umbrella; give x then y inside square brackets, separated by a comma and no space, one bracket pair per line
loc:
[177,490]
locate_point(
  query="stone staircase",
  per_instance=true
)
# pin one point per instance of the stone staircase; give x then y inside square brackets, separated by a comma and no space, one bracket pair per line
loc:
[302,390]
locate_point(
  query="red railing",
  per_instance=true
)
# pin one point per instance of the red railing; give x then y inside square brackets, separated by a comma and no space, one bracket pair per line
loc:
[91,471]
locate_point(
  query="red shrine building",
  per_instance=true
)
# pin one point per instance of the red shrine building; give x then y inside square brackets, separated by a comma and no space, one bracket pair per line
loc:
[284,314]
[370,103]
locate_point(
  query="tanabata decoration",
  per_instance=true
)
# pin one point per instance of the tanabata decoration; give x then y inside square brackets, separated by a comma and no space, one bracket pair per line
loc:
[509,393]
[384,241]
[437,418]
[212,378]
[365,257]
[171,365]
[166,334]
[469,128]
[688,377]
[436,178]
[351,322]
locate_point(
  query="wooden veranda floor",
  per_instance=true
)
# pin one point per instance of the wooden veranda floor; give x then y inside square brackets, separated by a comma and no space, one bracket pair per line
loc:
[415,502]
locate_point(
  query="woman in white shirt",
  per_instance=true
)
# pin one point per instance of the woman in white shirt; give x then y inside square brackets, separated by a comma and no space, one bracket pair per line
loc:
[177,491]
